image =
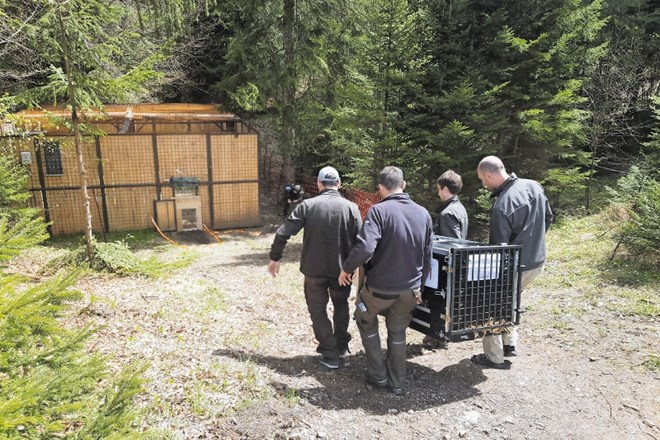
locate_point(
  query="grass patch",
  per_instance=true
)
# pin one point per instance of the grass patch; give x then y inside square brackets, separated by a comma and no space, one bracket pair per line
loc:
[216,300]
[558,325]
[116,257]
[250,341]
[225,388]
[142,239]
[579,252]
[653,363]
[292,397]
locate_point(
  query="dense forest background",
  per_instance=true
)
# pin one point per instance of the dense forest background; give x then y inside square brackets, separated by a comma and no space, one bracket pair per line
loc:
[562,90]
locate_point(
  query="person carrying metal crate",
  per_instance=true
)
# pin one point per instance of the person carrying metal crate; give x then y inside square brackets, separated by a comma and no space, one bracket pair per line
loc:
[396,244]
[521,215]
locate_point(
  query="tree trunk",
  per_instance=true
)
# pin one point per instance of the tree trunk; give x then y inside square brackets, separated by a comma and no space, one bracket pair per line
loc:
[289,89]
[89,234]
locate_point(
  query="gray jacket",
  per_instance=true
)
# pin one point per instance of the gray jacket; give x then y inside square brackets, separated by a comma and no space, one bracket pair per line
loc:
[521,215]
[331,224]
[396,239]
[453,219]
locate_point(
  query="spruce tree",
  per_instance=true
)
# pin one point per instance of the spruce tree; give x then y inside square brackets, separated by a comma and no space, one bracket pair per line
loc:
[49,386]
[505,79]
[90,53]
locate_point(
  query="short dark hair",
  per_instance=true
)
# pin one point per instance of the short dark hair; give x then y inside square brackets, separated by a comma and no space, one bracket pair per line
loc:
[450,180]
[391,178]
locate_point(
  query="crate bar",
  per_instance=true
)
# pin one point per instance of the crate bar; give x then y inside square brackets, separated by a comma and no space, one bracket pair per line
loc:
[449,293]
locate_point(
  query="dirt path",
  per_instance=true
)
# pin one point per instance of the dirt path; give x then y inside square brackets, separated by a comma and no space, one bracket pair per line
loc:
[232,356]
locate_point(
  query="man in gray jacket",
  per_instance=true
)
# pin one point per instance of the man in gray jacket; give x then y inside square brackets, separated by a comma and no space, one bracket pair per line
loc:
[331,224]
[396,243]
[453,219]
[521,215]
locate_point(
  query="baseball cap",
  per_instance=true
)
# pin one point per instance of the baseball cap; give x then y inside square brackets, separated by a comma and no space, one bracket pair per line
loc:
[329,175]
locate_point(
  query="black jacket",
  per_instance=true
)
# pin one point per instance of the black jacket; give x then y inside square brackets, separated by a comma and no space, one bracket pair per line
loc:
[521,215]
[396,239]
[453,219]
[331,224]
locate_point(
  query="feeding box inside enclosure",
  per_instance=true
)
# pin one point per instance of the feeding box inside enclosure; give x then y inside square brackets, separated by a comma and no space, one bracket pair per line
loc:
[187,204]
[472,288]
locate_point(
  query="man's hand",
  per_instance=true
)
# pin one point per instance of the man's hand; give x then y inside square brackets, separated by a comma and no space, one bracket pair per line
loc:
[345,279]
[274,268]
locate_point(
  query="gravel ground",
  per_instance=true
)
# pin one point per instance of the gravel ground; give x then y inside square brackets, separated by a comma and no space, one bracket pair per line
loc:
[231,355]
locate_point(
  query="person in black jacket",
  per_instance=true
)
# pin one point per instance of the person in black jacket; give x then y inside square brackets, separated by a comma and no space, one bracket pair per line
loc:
[453,219]
[521,215]
[293,196]
[396,242]
[331,224]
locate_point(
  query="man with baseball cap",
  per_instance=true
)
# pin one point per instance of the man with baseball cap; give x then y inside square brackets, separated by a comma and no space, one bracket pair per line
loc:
[331,224]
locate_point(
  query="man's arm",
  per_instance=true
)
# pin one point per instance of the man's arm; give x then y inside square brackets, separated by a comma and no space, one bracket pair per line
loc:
[365,245]
[358,220]
[500,228]
[449,225]
[428,248]
[293,224]
[548,215]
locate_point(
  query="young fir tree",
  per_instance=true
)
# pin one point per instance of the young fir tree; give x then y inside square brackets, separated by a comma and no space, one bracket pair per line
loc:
[49,386]
[90,53]
[639,192]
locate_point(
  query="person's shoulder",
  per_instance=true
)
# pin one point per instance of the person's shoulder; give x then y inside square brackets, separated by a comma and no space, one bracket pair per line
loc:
[352,206]
[527,182]
[421,210]
[530,185]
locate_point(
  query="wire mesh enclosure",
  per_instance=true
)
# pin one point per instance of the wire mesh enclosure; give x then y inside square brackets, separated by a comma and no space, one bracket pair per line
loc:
[151,153]
[472,289]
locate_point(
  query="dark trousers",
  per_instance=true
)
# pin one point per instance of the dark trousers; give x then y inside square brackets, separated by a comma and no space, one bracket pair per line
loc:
[317,293]
[397,308]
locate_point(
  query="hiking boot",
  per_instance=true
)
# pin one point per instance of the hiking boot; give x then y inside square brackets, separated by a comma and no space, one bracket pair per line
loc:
[342,345]
[377,383]
[510,351]
[332,364]
[482,359]
[397,391]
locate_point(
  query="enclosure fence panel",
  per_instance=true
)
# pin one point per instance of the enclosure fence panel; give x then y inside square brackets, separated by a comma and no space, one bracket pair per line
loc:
[127,173]
[235,180]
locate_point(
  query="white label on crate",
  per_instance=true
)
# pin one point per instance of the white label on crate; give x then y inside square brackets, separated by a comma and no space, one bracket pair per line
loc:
[432,279]
[483,267]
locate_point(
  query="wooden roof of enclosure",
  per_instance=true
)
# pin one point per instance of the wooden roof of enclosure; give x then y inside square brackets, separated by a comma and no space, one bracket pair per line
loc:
[133,118]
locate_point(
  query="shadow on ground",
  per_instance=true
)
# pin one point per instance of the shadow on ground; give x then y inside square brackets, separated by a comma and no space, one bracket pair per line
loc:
[261,258]
[345,388]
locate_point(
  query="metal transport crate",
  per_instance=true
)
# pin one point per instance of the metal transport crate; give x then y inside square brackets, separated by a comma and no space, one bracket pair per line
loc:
[472,289]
